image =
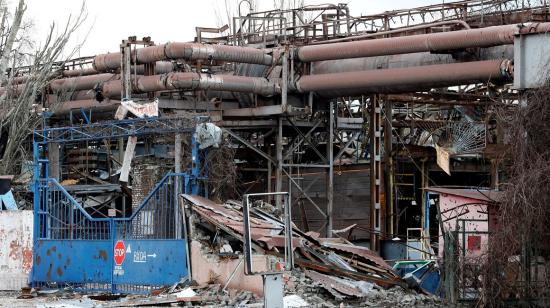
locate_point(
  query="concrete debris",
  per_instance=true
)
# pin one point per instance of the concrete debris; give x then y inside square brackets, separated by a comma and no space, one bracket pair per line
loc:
[187,292]
[291,301]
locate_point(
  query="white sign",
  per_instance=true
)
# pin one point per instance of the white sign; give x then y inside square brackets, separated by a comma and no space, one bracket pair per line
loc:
[142,110]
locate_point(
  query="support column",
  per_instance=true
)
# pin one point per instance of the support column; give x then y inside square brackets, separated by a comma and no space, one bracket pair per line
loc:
[376,172]
[269,173]
[424,203]
[388,166]
[279,172]
[330,171]
[53,159]
[177,184]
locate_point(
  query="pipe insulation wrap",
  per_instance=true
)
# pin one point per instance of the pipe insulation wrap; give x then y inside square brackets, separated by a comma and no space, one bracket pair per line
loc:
[195,81]
[186,51]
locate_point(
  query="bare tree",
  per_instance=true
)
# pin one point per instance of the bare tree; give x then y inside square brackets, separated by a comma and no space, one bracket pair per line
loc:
[17,101]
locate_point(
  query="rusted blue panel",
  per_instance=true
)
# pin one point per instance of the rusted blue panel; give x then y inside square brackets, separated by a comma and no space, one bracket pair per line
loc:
[152,262]
[73,261]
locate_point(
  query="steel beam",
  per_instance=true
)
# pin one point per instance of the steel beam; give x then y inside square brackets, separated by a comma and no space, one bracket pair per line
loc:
[249,145]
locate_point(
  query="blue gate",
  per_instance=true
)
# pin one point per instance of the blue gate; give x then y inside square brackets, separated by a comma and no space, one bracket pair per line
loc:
[132,254]
[128,255]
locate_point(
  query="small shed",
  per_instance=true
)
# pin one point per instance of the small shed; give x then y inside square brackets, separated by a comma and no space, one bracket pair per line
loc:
[471,212]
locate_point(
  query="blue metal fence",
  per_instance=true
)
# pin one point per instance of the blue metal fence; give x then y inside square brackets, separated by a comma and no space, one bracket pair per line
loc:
[132,254]
[121,255]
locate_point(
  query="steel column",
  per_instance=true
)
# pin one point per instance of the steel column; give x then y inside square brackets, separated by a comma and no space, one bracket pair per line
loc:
[388,166]
[376,172]
[330,171]
[279,154]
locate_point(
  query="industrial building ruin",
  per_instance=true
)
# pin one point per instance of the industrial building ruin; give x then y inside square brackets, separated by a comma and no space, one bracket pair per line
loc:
[297,157]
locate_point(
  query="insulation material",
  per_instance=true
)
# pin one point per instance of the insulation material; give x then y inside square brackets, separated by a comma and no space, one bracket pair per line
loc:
[207,135]
[142,110]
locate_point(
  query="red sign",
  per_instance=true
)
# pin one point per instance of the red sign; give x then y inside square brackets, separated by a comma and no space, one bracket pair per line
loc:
[120,252]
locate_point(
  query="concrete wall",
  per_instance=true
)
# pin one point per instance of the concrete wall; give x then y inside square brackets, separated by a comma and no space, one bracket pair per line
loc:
[211,269]
[16,229]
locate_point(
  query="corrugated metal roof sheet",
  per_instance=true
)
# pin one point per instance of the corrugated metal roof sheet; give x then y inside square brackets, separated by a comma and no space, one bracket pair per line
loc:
[477,194]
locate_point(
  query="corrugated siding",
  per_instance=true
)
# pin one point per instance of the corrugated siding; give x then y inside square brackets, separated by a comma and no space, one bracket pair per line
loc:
[351,199]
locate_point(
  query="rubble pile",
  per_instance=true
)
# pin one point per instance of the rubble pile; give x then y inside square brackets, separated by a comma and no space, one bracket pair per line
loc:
[329,272]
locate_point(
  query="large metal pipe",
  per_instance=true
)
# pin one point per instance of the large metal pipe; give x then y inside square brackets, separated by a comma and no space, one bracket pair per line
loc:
[396,80]
[187,51]
[66,107]
[408,60]
[82,82]
[195,81]
[433,42]
[161,67]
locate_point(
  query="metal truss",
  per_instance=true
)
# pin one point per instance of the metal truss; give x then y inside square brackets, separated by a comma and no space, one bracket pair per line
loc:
[114,129]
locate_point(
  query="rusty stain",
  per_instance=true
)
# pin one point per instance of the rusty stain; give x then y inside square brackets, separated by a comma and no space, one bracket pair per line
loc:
[59,272]
[27,260]
[103,255]
[14,249]
[54,248]
[38,260]
[48,252]
[49,273]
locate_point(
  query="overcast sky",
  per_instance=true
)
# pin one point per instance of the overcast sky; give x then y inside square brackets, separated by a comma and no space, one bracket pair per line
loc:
[110,21]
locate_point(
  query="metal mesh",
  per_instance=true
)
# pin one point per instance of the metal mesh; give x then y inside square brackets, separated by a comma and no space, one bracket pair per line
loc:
[159,217]
[461,137]
[457,137]
[62,218]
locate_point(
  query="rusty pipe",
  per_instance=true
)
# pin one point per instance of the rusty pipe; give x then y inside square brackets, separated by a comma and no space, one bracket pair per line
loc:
[230,83]
[65,107]
[82,82]
[433,42]
[186,51]
[195,81]
[79,72]
[408,60]
[161,67]
[396,80]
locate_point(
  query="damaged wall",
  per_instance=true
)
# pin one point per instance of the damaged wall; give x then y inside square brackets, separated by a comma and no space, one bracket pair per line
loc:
[212,269]
[16,231]
[454,209]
